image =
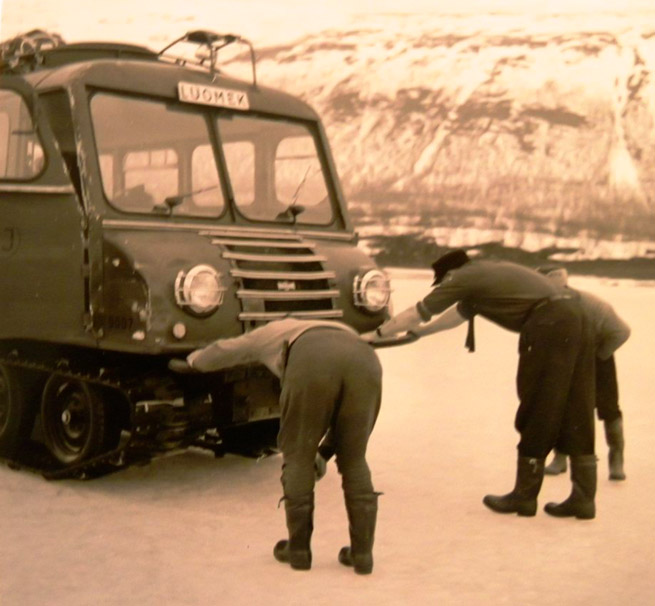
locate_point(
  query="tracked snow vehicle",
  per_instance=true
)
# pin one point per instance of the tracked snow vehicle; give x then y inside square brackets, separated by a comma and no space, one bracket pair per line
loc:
[150,204]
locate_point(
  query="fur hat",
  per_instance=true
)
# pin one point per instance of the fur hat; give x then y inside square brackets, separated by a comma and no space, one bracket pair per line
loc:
[445,263]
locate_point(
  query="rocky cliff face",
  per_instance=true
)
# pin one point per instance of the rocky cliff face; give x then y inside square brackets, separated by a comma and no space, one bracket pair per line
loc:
[489,129]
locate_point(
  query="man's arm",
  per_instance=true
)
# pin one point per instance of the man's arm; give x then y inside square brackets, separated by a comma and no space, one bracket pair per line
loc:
[410,320]
[405,321]
[223,353]
[450,318]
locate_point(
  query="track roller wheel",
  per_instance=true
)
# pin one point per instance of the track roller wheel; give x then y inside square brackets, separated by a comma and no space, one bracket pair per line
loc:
[76,420]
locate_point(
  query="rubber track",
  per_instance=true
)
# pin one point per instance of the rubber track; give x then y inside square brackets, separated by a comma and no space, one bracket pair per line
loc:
[34,456]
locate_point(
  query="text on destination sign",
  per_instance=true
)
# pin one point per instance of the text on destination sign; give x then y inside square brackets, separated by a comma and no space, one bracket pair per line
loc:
[212,95]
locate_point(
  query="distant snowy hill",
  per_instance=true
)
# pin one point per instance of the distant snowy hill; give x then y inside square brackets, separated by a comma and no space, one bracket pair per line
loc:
[533,134]
[456,124]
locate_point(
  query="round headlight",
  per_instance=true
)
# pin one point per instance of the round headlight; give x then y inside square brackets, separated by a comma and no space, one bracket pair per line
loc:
[199,290]
[372,291]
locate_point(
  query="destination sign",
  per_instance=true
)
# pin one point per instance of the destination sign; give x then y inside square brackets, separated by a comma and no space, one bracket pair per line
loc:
[190,92]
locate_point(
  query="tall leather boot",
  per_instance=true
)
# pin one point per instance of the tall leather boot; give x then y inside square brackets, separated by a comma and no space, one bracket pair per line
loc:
[580,502]
[300,524]
[523,499]
[362,515]
[614,437]
[557,465]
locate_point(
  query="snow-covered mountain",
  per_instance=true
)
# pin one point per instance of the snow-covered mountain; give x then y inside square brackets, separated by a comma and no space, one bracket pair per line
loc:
[531,127]
[536,134]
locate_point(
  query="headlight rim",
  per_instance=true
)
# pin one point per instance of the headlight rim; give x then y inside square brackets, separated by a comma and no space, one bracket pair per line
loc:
[184,294]
[360,284]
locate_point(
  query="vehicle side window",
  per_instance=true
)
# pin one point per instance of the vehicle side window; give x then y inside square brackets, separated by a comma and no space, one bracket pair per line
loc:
[21,153]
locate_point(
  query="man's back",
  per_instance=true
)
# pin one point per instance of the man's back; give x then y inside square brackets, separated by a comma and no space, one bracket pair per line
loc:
[609,329]
[501,291]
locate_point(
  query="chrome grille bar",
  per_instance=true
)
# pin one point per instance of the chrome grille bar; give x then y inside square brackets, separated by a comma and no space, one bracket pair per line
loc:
[254,274]
[281,280]
[294,295]
[265,316]
[240,232]
[237,256]
[262,243]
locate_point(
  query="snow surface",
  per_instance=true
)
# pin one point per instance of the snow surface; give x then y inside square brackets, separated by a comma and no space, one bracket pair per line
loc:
[193,530]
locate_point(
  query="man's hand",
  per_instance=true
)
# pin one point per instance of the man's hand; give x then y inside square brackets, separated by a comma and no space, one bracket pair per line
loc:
[181,366]
[401,323]
[420,330]
[320,467]
[369,337]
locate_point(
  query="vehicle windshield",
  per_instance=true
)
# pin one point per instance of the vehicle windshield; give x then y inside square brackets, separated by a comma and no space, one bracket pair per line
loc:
[158,158]
[155,158]
[275,170]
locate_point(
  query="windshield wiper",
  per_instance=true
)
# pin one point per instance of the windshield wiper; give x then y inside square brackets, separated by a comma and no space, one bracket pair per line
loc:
[290,213]
[293,210]
[170,202]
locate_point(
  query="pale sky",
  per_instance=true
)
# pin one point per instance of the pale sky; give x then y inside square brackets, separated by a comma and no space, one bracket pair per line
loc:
[266,21]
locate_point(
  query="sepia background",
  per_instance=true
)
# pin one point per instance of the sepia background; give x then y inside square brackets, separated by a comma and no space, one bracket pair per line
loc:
[525,133]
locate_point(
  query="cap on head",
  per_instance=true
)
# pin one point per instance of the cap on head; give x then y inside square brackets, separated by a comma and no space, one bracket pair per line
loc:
[445,263]
[555,272]
[549,267]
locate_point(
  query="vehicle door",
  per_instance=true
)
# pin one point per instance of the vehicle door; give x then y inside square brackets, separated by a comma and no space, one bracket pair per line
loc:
[41,225]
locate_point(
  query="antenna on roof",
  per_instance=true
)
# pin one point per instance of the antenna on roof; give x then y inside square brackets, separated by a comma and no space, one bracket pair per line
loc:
[214,43]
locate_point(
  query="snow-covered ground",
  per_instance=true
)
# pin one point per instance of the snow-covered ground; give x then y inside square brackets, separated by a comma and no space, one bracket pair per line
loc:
[193,530]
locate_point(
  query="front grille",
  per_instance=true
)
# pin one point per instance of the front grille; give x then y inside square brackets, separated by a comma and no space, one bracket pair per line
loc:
[279,275]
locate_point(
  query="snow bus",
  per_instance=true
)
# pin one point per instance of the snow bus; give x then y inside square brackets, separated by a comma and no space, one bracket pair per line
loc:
[149,204]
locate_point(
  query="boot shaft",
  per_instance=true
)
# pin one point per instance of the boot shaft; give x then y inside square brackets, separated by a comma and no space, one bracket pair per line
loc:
[557,465]
[523,498]
[300,521]
[614,433]
[529,477]
[580,503]
[584,477]
[362,517]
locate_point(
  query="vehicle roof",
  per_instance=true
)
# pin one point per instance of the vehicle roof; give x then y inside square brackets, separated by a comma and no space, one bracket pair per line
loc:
[136,69]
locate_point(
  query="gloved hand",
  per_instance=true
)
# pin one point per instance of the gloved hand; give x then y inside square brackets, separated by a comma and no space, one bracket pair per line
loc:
[320,466]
